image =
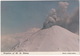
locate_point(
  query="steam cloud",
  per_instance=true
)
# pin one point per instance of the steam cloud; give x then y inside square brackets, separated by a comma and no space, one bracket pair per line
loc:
[61,17]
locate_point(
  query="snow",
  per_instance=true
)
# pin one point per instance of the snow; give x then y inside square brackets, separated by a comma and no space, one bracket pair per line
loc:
[55,38]
[8,42]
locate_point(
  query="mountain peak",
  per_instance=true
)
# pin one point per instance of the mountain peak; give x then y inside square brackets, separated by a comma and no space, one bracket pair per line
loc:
[54,38]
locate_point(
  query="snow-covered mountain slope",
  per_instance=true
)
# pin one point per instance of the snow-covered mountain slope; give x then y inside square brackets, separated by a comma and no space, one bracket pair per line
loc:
[55,38]
[8,42]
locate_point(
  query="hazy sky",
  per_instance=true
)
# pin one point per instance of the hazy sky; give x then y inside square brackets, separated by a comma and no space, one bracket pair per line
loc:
[19,16]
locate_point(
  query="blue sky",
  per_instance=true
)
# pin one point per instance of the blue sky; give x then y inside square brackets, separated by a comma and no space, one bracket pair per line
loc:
[19,16]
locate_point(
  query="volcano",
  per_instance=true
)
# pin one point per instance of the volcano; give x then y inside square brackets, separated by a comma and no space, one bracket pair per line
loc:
[55,38]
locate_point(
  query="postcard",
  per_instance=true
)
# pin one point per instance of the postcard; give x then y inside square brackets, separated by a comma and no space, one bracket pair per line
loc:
[39,27]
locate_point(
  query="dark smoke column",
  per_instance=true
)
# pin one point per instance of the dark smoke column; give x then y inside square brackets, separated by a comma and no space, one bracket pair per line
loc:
[51,19]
